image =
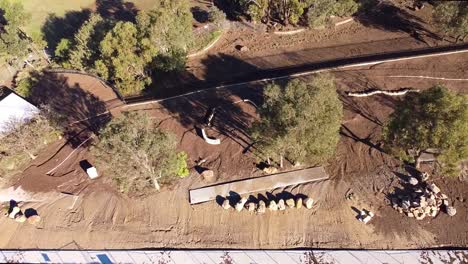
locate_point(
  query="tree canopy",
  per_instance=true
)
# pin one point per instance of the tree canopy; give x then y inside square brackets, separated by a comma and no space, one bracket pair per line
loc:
[452,17]
[24,140]
[125,53]
[137,154]
[312,12]
[435,118]
[299,121]
[124,58]
[13,42]
[168,26]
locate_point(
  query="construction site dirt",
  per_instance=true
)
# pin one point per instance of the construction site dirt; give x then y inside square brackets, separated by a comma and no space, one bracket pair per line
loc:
[77,212]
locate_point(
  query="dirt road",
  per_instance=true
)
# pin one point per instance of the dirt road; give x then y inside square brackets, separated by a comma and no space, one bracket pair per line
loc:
[102,218]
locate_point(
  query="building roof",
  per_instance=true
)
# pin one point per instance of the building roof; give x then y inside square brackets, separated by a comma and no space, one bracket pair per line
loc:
[14,108]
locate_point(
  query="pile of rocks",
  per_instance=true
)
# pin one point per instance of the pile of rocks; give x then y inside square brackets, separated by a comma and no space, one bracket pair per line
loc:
[423,199]
[273,205]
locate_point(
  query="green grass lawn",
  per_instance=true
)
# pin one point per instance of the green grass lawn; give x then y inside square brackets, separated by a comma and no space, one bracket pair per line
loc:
[40,9]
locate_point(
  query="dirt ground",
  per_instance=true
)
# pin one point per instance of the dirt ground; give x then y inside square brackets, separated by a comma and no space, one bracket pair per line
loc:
[81,213]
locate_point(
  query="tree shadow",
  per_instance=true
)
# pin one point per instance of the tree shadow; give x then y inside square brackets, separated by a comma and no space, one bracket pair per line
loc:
[56,28]
[200,15]
[117,10]
[345,131]
[386,16]
[233,116]
[74,109]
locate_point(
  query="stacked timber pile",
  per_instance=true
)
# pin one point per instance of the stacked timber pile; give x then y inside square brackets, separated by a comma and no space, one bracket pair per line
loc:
[261,206]
[424,199]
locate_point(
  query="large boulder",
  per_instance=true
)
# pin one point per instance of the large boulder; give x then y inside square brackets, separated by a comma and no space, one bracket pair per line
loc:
[261,207]
[273,206]
[208,176]
[251,207]
[226,205]
[308,202]
[299,203]
[281,205]
[240,204]
[291,203]
[451,211]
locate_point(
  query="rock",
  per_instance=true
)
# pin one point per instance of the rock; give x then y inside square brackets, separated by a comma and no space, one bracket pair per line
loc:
[273,206]
[434,188]
[413,181]
[226,205]
[409,214]
[261,207]
[20,218]
[240,204]
[251,207]
[270,170]
[242,48]
[451,211]
[308,202]
[299,203]
[420,215]
[405,204]
[433,211]
[424,176]
[208,176]
[445,203]
[281,205]
[290,202]
[400,210]
[34,219]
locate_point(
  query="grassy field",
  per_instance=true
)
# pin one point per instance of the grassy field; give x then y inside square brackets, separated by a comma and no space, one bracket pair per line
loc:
[40,9]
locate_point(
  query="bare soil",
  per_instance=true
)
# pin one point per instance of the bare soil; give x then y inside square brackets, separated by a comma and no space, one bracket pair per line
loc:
[102,218]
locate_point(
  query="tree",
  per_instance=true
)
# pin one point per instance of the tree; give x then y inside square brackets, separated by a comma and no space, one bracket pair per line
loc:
[435,118]
[452,17]
[137,154]
[86,44]
[13,42]
[216,16]
[27,137]
[319,11]
[124,58]
[299,121]
[168,26]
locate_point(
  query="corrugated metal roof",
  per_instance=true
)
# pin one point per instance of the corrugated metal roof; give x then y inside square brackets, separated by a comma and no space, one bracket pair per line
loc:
[236,256]
[15,108]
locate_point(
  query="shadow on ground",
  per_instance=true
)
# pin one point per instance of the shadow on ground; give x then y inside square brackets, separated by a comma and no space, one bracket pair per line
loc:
[69,104]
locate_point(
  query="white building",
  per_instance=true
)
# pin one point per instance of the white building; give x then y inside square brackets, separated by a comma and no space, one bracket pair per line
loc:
[14,108]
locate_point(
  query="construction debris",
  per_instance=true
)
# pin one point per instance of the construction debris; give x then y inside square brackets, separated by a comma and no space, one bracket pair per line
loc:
[422,199]
[365,216]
